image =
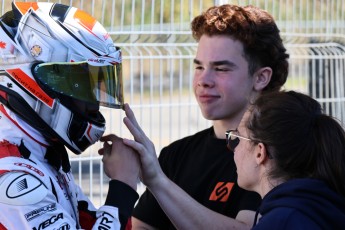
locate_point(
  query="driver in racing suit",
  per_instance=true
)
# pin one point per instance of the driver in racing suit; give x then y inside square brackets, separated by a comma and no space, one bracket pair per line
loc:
[58,65]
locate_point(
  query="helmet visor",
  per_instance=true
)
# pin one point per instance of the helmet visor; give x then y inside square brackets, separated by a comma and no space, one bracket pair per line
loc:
[83,81]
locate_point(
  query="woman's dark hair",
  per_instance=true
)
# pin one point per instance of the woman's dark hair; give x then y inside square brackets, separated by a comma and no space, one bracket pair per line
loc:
[255,29]
[302,140]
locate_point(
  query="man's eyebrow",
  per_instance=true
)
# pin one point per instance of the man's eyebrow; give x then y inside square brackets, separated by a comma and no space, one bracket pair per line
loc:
[217,63]
[196,61]
[224,62]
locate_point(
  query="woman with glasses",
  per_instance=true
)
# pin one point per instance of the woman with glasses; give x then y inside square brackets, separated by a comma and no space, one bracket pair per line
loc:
[285,149]
[293,155]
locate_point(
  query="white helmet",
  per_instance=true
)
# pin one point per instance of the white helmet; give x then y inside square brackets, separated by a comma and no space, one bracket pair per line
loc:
[57,66]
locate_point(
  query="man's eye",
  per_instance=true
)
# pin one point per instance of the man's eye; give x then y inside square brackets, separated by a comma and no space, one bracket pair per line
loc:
[199,67]
[222,69]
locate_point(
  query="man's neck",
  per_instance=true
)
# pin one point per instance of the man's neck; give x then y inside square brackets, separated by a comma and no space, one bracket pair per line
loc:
[221,126]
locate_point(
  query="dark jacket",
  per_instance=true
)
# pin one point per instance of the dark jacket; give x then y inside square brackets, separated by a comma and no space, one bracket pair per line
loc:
[302,204]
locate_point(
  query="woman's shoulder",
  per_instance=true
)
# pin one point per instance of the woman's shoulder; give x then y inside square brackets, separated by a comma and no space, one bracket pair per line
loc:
[286,218]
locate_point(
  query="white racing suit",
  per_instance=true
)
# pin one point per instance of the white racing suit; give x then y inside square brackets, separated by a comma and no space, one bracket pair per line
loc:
[34,195]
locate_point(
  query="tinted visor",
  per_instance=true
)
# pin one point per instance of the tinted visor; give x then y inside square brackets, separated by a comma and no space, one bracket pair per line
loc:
[82,81]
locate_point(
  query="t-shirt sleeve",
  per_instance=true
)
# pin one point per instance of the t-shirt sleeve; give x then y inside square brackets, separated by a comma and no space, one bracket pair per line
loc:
[147,208]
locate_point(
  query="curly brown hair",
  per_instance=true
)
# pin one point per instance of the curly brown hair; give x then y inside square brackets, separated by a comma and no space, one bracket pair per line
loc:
[255,29]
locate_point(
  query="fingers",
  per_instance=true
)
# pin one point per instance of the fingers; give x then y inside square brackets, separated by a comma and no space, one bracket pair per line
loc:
[139,148]
[130,114]
[109,137]
[105,149]
[131,122]
[141,143]
[132,154]
[109,143]
[133,126]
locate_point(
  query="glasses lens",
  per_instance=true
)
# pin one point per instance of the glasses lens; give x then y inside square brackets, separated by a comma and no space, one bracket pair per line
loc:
[83,81]
[232,141]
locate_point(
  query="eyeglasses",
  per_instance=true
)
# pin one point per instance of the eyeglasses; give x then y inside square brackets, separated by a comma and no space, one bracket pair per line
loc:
[233,139]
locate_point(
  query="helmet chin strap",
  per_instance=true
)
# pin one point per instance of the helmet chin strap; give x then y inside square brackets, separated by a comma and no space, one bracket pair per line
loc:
[57,156]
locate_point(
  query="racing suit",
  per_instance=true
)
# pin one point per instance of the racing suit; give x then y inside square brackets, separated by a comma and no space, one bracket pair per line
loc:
[37,189]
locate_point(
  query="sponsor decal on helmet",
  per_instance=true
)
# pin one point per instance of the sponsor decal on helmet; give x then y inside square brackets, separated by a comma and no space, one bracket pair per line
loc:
[96,61]
[36,50]
[30,85]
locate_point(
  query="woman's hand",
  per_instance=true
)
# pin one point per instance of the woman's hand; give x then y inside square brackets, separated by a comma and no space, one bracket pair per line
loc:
[151,171]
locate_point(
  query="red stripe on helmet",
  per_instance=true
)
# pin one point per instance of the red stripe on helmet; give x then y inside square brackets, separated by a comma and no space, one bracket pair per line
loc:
[30,85]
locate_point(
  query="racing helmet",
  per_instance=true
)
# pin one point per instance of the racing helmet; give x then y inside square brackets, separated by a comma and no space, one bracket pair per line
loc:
[58,65]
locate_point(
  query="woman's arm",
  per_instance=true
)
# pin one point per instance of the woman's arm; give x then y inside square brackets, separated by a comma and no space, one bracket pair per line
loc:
[183,211]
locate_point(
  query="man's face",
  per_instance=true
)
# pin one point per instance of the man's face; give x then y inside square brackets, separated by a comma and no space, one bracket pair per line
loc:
[222,84]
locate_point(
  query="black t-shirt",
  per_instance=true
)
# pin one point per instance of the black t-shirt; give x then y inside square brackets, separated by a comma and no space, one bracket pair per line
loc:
[203,167]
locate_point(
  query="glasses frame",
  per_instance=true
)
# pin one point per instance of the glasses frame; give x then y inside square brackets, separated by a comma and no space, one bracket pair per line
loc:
[231,133]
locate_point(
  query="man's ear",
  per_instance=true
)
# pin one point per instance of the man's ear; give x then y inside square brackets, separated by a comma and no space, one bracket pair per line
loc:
[262,78]
[261,154]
